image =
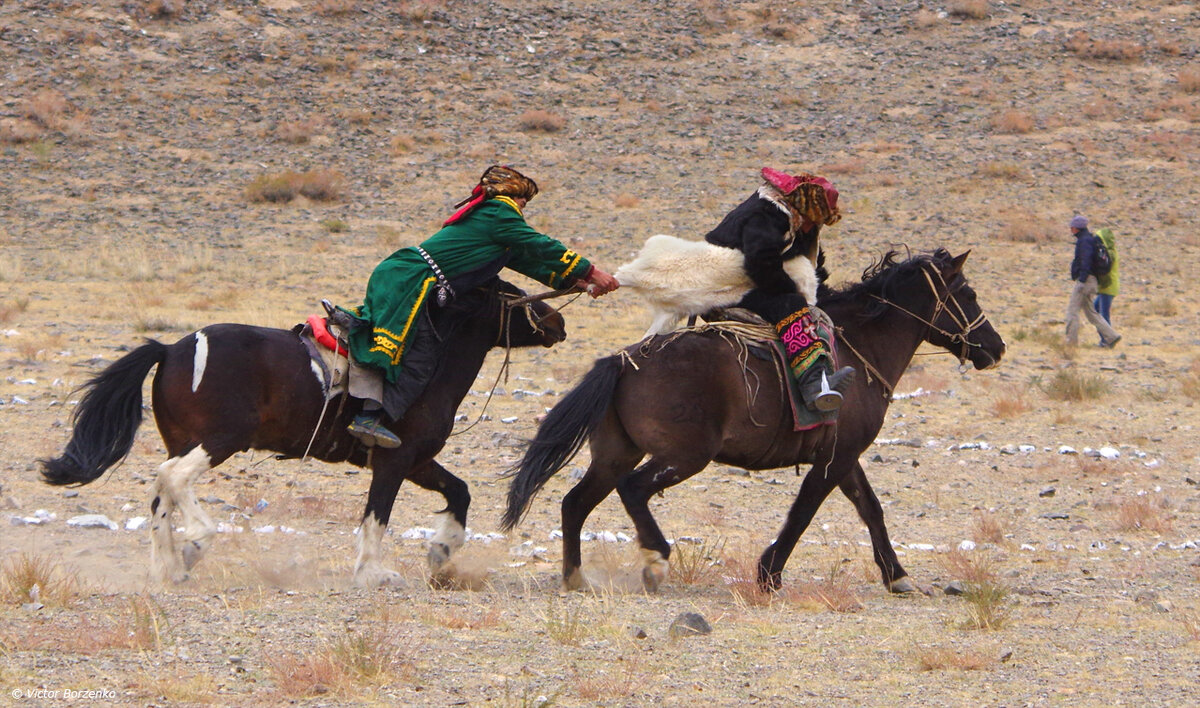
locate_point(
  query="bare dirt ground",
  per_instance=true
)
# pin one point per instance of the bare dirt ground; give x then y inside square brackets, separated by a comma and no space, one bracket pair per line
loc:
[131,134]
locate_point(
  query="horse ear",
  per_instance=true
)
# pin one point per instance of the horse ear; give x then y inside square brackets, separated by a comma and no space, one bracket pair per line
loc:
[957,264]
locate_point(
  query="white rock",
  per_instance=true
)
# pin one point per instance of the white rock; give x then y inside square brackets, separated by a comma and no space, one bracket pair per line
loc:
[17,400]
[1109,453]
[921,546]
[1067,450]
[510,419]
[1026,448]
[90,521]
[136,523]
[264,529]
[1028,547]
[966,545]
[418,533]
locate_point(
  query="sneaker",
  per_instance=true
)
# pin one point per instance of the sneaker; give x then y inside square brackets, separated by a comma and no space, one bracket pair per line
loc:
[1111,343]
[370,431]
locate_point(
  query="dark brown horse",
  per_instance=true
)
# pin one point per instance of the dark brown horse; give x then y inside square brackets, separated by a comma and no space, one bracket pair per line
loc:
[689,399]
[230,387]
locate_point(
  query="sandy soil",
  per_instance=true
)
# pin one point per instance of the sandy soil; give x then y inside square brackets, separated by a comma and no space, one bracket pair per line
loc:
[129,133]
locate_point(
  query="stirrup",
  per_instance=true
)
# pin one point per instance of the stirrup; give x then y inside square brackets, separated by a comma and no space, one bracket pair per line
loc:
[826,400]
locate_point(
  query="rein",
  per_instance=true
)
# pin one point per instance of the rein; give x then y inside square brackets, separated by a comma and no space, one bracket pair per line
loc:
[960,318]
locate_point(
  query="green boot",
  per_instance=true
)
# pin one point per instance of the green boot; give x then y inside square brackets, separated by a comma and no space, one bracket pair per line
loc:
[369,429]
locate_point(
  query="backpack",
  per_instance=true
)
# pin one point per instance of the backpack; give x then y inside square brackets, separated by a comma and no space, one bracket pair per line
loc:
[1101,258]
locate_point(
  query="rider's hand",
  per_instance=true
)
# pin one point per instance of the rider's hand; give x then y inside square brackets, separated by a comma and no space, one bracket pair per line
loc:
[600,283]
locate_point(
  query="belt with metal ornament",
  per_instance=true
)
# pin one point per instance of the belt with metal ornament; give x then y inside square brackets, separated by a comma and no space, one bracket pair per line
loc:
[444,291]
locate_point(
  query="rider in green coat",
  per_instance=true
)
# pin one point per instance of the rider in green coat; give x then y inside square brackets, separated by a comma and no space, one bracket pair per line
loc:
[486,234]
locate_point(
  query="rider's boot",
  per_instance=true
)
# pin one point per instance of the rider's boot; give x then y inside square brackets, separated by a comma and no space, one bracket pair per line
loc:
[369,429]
[824,392]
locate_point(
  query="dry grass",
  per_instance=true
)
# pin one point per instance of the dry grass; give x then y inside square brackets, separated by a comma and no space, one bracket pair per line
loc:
[988,528]
[344,666]
[1191,624]
[539,121]
[1011,402]
[741,579]
[296,132]
[1141,514]
[9,311]
[988,606]
[625,200]
[178,688]
[320,185]
[1084,46]
[697,563]
[968,9]
[958,658]
[56,585]
[1026,227]
[335,8]
[924,19]
[565,623]
[1189,382]
[995,169]
[1189,79]
[16,131]
[1073,385]
[834,592]
[1013,122]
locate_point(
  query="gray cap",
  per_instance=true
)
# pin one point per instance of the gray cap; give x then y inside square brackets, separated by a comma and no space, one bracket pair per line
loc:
[1079,222]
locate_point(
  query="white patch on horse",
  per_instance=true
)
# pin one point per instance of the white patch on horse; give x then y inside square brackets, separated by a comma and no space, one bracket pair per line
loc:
[678,278]
[316,369]
[200,361]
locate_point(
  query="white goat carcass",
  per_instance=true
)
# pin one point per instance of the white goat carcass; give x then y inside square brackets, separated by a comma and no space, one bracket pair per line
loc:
[678,278]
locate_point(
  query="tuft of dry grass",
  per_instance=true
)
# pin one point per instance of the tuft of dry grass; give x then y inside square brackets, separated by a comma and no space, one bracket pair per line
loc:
[1013,122]
[1011,402]
[295,132]
[26,576]
[343,666]
[924,19]
[1083,45]
[1191,624]
[834,592]
[1073,385]
[697,563]
[15,131]
[996,169]
[335,8]
[853,166]
[968,9]
[741,579]
[625,200]
[1189,383]
[1140,514]
[1189,79]
[988,528]
[988,606]
[539,121]
[319,185]
[939,658]
[1026,227]
[179,688]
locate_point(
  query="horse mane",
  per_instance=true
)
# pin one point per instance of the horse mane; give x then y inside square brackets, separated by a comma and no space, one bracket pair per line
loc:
[884,277]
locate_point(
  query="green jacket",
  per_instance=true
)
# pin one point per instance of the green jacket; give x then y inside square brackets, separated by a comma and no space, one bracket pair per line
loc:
[1109,284]
[491,236]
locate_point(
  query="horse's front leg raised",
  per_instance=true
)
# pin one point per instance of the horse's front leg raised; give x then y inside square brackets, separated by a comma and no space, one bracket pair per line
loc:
[858,490]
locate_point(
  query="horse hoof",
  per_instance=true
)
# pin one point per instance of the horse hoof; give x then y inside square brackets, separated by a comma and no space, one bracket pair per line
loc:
[654,570]
[379,578]
[439,555]
[573,581]
[192,552]
[902,586]
[650,581]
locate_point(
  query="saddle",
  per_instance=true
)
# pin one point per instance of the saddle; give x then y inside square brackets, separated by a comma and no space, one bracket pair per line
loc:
[328,346]
[763,342]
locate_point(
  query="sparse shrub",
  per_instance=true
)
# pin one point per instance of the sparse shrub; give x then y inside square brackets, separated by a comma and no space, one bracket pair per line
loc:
[321,185]
[1164,307]
[741,578]
[15,131]
[295,132]
[402,144]
[1011,402]
[968,9]
[1191,624]
[335,8]
[1026,227]
[1003,170]
[1189,383]
[565,623]
[538,121]
[987,528]
[849,167]
[164,8]
[924,19]
[335,226]
[359,116]
[1189,79]
[1082,44]
[45,107]
[937,658]
[696,563]
[1013,122]
[372,657]
[625,200]
[1139,514]
[834,592]
[988,606]
[1072,385]
[56,584]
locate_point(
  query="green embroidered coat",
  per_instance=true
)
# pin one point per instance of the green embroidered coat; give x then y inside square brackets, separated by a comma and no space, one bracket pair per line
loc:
[403,283]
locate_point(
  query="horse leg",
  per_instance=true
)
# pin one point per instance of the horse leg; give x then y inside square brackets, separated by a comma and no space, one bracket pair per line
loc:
[452,527]
[636,490]
[858,490]
[164,562]
[386,476]
[174,488]
[817,484]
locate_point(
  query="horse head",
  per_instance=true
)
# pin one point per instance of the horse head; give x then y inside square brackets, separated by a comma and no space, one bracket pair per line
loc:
[528,323]
[958,323]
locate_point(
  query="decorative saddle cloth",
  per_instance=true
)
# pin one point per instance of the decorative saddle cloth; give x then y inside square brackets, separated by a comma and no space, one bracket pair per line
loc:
[763,341]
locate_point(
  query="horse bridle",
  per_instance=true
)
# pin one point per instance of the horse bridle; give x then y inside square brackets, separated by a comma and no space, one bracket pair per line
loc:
[958,314]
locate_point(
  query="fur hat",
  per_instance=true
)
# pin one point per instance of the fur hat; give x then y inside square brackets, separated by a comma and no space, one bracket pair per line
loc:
[814,198]
[497,180]
[1079,222]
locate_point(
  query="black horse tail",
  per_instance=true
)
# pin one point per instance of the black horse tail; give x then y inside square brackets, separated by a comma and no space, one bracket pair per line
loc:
[560,436]
[106,419]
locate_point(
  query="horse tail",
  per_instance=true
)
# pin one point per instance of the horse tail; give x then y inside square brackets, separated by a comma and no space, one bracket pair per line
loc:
[106,419]
[560,436]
